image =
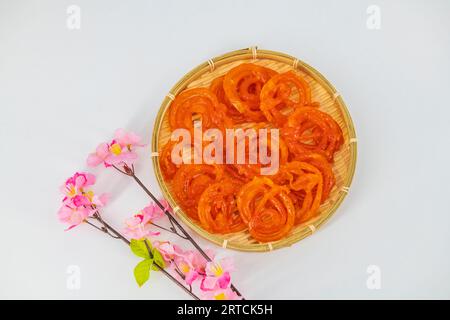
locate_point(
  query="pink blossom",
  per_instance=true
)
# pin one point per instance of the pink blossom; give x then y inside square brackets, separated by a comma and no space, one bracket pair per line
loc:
[137,229]
[86,199]
[139,226]
[198,261]
[76,183]
[127,139]
[80,200]
[168,250]
[111,154]
[79,203]
[99,156]
[184,264]
[76,194]
[120,155]
[152,212]
[99,200]
[118,152]
[220,294]
[217,275]
[73,215]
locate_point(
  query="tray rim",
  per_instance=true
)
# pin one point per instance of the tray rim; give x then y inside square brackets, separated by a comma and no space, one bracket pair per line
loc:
[252,53]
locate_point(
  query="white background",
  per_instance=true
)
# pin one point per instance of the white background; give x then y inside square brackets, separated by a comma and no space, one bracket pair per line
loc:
[63,91]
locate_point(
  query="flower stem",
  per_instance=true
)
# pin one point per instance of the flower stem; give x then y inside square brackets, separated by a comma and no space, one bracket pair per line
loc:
[171,230]
[125,240]
[189,291]
[131,173]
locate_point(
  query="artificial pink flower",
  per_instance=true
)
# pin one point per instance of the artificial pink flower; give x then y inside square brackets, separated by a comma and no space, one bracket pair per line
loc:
[152,212]
[118,152]
[127,139]
[137,229]
[76,194]
[73,215]
[98,201]
[120,155]
[168,250]
[99,156]
[76,183]
[139,226]
[87,199]
[217,275]
[198,261]
[111,154]
[220,294]
[80,200]
[184,264]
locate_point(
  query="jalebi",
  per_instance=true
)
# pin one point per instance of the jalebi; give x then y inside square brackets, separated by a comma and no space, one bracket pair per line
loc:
[267,209]
[224,197]
[306,184]
[277,95]
[311,130]
[200,103]
[217,209]
[189,183]
[242,86]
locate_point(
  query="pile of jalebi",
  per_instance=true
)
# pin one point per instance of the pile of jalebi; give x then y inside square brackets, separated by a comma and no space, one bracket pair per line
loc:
[231,197]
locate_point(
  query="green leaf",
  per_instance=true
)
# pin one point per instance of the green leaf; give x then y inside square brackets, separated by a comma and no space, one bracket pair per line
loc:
[139,248]
[158,259]
[142,271]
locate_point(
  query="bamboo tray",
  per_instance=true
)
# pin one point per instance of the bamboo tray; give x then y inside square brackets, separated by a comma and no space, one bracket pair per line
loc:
[322,91]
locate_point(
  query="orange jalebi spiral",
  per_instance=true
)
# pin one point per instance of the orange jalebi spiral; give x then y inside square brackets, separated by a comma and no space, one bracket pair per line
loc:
[277,95]
[168,167]
[306,184]
[266,208]
[321,163]
[311,130]
[242,86]
[189,183]
[200,103]
[184,151]
[217,209]
[216,87]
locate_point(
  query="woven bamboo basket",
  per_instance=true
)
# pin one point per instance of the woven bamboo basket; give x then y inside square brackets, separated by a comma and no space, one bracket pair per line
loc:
[322,91]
